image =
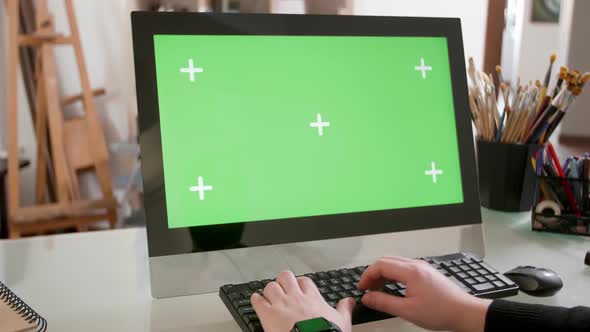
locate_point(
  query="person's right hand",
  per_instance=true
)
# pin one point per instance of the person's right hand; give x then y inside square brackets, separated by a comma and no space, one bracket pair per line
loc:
[432,301]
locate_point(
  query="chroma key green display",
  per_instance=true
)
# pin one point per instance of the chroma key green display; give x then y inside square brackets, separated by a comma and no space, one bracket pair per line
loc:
[271,127]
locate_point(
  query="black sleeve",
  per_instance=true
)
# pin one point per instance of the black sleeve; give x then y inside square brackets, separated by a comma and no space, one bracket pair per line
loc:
[505,315]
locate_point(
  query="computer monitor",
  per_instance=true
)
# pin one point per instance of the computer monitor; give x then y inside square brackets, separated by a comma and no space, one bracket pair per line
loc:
[261,133]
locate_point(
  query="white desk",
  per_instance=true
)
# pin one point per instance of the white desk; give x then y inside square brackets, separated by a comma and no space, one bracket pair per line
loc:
[100,282]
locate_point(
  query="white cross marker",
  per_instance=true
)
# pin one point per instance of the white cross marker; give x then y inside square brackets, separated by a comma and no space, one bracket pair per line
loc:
[434,172]
[191,69]
[320,125]
[423,68]
[201,188]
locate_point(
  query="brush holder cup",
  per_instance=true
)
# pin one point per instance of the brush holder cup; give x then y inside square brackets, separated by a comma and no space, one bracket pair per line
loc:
[506,175]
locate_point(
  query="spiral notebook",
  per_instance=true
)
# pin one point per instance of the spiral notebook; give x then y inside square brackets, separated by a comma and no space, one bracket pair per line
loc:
[16,315]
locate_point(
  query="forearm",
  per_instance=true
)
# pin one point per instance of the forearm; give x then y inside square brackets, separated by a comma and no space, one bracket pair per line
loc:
[513,316]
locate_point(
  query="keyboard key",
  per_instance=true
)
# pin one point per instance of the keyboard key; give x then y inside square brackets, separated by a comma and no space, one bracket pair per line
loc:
[335,288]
[345,272]
[343,294]
[234,296]
[482,271]
[499,284]
[323,275]
[245,310]
[246,293]
[333,274]
[332,304]
[402,292]
[356,292]
[491,277]
[474,266]
[255,327]
[255,285]
[465,267]
[334,281]
[241,303]
[448,265]
[323,290]
[462,275]
[331,297]
[346,279]
[360,269]
[458,283]
[473,273]
[390,288]
[311,276]
[322,283]
[455,269]
[470,281]
[400,285]
[505,280]
[251,318]
[355,277]
[480,279]
[489,268]
[229,289]
[483,287]
[467,260]
[347,286]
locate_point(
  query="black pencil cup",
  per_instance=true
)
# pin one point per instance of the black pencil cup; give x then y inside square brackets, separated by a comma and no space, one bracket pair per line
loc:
[550,216]
[506,175]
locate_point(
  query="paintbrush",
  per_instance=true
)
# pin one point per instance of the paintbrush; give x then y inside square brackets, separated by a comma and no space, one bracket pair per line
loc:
[504,90]
[545,115]
[544,100]
[576,91]
[552,59]
[563,70]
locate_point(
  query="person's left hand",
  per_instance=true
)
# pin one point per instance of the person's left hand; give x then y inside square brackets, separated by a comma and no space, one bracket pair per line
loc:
[290,300]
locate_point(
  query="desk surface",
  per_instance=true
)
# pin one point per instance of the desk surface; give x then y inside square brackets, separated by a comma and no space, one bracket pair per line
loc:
[99,281]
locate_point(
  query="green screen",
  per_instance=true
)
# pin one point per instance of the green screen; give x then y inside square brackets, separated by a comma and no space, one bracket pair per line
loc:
[271,127]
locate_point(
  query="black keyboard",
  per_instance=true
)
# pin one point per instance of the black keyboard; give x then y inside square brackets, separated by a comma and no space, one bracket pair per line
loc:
[466,270]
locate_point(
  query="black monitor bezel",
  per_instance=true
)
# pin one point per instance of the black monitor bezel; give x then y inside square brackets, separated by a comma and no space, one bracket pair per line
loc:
[163,241]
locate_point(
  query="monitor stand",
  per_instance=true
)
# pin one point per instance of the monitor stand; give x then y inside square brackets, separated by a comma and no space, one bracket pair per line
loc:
[205,272]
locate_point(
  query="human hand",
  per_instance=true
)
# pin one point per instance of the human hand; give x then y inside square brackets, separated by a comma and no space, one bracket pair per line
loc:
[289,300]
[432,301]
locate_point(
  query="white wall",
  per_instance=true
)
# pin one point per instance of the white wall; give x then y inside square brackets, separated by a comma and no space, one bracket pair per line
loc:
[473,15]
[105,31]
[25,127]
[576,50]
[535,43]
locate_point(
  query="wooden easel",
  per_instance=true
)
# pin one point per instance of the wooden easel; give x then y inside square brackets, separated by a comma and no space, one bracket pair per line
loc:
[76,144]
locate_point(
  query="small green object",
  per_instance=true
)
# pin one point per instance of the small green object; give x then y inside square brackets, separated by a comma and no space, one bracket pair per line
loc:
[319,324]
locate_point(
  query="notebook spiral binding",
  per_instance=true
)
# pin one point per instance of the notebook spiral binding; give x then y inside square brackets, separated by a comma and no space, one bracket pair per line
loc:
[26,312]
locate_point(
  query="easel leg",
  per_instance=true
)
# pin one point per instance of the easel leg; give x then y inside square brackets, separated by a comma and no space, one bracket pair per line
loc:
[113,220]
[12,117]
[41,132]
[13,232]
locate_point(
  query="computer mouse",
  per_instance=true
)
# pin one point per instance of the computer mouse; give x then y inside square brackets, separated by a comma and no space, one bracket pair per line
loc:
[535,281]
